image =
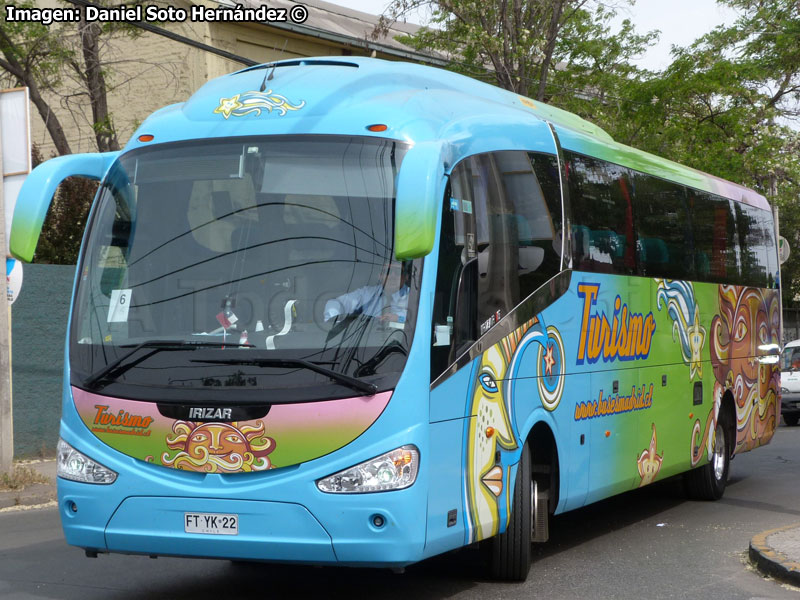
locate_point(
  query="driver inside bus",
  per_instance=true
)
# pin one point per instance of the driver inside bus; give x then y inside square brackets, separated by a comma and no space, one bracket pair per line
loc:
[387,300]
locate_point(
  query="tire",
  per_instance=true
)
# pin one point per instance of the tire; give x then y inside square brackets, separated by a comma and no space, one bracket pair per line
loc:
[791,420]
[510,552]
[708,482]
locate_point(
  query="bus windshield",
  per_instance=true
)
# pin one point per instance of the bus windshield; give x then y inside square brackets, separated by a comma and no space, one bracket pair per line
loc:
[245,264]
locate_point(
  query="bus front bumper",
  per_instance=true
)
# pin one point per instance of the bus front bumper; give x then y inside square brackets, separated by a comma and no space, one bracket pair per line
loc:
[339,530]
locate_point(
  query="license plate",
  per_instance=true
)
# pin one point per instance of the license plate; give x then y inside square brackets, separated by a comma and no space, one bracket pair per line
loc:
[211,523]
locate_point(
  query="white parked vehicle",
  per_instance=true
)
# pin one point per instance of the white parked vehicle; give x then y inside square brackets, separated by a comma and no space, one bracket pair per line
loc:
[790,383]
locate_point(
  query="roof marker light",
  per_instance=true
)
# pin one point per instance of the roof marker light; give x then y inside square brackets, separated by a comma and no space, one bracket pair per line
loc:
[146,138]
[377,127]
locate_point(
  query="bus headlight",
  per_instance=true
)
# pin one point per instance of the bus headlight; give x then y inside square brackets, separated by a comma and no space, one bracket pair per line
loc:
[71,464]
[394,470]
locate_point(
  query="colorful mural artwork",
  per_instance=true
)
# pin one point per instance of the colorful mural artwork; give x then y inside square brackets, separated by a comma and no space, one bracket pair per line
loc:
[550,359]
[219,447]
[491,441]
[703,327]
[289,434]
[747,318]
[253,103]
[679,299]
[649,462]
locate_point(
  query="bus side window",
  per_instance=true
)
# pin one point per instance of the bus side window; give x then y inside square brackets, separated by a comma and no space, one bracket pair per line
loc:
[500,241]
[756,239]
[664,246]
[532,187]
[602,210]
[457,246]
[716,247]
[771,248]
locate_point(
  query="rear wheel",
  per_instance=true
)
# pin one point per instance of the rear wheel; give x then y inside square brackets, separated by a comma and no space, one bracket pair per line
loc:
[791,420]
[708,482]
[510,552]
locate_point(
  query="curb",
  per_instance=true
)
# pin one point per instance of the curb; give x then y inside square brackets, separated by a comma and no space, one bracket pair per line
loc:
[40,493]
[34,494]
[772,562]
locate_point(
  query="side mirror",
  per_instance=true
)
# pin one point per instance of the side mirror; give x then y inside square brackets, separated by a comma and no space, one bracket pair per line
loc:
[420,185]
[37,192]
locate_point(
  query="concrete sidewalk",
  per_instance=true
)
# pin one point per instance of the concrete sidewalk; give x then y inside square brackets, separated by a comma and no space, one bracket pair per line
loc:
[32,494]
[777,553]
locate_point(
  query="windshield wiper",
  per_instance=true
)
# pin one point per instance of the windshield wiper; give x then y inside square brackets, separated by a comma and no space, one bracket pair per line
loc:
[352,382]
[155,346]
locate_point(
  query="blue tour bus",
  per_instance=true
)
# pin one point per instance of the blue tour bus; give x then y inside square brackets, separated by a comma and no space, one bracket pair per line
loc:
[348,311]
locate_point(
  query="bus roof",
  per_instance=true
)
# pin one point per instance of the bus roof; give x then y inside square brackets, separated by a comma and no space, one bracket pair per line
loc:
[344,95]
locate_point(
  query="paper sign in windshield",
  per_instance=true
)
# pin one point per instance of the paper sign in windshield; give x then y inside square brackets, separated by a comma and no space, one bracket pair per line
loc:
[120,303]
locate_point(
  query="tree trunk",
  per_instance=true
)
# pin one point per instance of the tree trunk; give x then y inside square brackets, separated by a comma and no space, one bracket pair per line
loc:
[552,35]
[104,132]
[50,119]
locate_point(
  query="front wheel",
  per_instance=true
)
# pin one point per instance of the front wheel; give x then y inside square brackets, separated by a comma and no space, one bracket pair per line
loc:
[791,420]
[510,552]
[708,482]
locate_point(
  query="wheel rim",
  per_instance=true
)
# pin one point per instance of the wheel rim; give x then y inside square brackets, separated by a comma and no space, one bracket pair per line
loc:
[718,459]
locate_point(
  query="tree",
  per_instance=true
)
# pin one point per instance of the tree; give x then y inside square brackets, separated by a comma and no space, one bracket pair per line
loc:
[517,39]
[728,105]
[90,72]
[32,56]
[73,62]
[596,68]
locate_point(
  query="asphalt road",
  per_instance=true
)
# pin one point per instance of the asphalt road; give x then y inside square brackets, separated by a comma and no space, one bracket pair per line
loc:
[652,543]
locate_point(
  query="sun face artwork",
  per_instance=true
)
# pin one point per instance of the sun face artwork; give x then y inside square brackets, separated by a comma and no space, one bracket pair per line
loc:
[492,447]
[490,430]
[218,447]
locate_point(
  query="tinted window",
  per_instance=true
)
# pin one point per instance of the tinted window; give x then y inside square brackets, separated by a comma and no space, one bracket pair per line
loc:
[771,247]
[501,226]
[756,239]
[663,248]
[602,215]
[530,183]
[668,231]
[716,250]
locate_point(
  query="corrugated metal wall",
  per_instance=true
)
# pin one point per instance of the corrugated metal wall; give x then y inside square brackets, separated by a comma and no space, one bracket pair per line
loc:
[38,329]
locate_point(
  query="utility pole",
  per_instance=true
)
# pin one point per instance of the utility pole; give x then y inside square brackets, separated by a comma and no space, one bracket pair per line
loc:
[6,416]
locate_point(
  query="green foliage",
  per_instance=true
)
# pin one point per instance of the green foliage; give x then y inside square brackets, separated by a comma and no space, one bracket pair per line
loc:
[511,43]
[595,68]
[35,47]
[725,106]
